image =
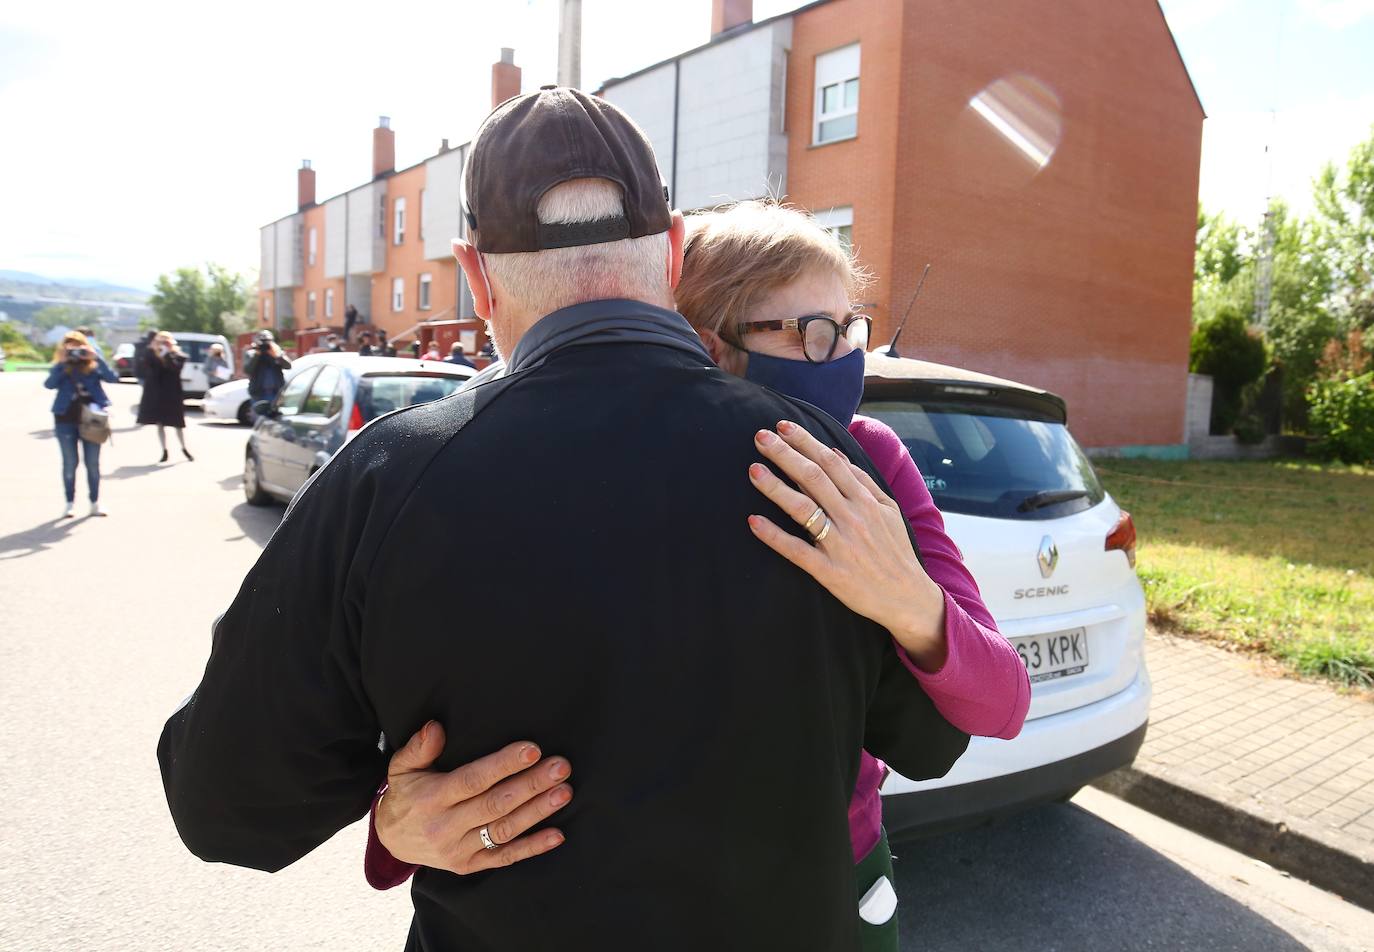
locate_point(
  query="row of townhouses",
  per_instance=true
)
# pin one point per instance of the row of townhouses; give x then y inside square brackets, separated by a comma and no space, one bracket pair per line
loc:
[1042,158]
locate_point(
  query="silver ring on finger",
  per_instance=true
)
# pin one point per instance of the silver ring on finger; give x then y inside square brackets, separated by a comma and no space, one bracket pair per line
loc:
[825,531]
[818,514]
[487,842]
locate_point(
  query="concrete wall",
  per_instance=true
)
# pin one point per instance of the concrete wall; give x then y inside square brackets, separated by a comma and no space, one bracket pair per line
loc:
[1198,411]
[288,252]
[267,269]
[727,119]
[366,242]
[441,215]
[730,143]
[335,237]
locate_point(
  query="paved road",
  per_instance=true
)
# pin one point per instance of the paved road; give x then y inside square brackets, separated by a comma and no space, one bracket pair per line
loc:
[104,628]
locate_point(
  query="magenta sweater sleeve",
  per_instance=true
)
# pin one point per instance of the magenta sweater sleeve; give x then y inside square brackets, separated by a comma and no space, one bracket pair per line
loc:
[983,687]
[381,868]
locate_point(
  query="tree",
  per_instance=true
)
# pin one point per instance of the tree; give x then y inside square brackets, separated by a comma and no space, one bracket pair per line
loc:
[1345,211]
[1234,356]
[195,300]
[60,315]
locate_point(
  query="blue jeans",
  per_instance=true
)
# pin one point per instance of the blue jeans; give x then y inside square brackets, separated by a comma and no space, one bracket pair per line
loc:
[67,438]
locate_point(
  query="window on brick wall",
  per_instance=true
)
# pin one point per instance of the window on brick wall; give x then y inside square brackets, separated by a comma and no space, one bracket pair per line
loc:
[310,306]
[425,280]
[837,95]
[314,246]
[398,226]
[328,302]
[840,223]
[398,294]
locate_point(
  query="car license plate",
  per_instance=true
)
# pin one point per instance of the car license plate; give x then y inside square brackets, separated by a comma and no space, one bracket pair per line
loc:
[1058,654]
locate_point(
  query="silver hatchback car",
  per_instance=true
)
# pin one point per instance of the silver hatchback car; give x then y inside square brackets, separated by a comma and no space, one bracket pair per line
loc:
[323,405]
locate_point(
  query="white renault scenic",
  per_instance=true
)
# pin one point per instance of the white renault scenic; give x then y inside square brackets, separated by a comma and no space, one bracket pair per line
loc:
[1054,558]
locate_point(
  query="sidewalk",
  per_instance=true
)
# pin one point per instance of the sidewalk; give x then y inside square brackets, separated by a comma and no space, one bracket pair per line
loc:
[1280,769]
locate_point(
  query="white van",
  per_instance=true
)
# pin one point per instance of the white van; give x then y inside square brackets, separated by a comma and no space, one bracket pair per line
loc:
[194,383]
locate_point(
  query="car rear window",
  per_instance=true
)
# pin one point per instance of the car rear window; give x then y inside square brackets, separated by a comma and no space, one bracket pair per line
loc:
[195,350]
[983,461]
[382,393]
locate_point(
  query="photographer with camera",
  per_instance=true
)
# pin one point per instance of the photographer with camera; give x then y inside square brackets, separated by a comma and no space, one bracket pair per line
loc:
[161,403]
[76,375]
[265,365]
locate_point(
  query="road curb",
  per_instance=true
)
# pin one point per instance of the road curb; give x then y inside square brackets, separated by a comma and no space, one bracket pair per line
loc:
[1304,849]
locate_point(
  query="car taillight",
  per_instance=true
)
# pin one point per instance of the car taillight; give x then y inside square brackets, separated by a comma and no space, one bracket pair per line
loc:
[1123,537]
[355,420]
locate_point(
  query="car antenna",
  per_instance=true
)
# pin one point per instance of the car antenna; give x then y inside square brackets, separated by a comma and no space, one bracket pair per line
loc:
[892,347]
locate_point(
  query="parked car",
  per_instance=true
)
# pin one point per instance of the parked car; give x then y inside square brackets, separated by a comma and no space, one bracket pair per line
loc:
[122,361]
[194,382]
[230,401]
[1054,558]
[323,405]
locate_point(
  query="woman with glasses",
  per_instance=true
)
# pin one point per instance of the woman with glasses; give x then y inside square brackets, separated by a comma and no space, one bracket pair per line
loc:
[768,291]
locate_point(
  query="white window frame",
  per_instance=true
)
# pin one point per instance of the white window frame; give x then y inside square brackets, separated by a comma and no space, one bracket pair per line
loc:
[398,294]
[310,300]
[314,243]
[328,302]
[426,285]
[834,219]
[398,221]
[267,309]
[835,68]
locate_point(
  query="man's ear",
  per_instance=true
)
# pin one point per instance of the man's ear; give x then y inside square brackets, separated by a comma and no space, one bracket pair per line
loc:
[467,255]
[677,234]
[715,346]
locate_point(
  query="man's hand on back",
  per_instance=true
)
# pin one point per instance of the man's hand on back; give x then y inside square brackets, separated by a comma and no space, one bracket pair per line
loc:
[429,818]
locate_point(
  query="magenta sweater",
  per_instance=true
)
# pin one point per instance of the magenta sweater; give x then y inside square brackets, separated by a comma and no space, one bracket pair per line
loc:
[982,689]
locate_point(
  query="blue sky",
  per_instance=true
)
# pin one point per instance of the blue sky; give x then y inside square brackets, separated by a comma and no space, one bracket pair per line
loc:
[149,134]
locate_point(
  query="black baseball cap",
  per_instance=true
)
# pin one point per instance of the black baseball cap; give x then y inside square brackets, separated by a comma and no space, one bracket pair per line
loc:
[533,142]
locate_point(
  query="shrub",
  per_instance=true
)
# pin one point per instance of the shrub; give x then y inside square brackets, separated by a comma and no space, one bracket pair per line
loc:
[1341,413]
[1224,347]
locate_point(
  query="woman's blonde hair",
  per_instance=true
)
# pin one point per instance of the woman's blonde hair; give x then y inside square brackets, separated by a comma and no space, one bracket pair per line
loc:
[74,339]
[169,340]
[735,255]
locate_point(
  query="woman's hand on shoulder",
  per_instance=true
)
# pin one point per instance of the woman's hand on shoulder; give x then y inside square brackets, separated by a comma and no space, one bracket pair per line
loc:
[431,818]
[860,549]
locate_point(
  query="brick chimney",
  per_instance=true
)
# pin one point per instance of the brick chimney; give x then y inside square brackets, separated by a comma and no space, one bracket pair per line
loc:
[305,185]
[383,148]
[728,14]
[505,78]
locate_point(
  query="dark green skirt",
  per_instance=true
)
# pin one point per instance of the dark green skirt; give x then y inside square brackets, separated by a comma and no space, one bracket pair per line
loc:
[878,863]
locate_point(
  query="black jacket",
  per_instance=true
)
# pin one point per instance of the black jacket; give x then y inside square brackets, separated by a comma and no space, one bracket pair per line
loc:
[712,698]
[162,396]
[264,372]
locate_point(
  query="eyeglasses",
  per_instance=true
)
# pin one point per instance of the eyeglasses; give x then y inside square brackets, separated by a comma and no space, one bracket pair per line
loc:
[820,335]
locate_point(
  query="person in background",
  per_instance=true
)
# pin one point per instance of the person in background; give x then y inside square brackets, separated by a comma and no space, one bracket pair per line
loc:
[161,403]
[216,367]
[264,366]
[388,349]
[456,355]
[415,349]
[433,352]
[366,349]
[141,350]
[350,318]
[76,374]
[333,344]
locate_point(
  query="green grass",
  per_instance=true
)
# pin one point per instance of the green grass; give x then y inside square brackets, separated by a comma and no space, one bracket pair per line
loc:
[24,365]
[1275,557]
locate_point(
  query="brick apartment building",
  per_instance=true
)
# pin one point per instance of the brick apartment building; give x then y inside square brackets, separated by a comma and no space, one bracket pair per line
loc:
[1042,157]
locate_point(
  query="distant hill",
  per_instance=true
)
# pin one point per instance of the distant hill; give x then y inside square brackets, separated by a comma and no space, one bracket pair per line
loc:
[23,284]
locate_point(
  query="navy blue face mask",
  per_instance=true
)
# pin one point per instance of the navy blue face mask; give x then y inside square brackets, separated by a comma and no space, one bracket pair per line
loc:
[836,386]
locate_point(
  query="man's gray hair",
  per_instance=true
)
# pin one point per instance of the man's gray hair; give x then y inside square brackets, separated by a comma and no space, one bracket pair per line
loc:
[544,281]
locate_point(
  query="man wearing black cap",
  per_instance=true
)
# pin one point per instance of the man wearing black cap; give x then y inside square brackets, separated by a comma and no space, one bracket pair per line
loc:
[712,698]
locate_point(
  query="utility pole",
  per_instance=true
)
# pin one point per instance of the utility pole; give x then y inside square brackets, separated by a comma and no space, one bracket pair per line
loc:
[570,43]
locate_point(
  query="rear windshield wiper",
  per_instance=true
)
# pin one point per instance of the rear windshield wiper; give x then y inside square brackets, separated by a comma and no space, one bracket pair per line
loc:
[1049,497]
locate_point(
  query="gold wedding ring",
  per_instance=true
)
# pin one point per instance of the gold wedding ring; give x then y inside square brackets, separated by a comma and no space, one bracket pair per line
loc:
[812,521]
[825,531]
